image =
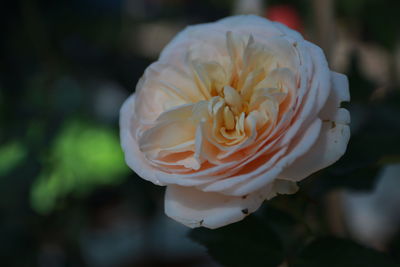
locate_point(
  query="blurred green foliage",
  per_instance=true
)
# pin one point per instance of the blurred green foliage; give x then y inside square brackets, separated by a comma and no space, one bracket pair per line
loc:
[82,157]
[11,154]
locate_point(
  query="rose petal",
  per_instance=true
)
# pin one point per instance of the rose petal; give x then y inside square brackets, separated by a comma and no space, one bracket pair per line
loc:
[135,159]
[260,175]
[329,147]
[320,75]
[334,136]
[285,187]
[195,208]
[339,93]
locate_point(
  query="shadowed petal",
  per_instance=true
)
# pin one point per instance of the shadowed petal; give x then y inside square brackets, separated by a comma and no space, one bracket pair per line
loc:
[334,136]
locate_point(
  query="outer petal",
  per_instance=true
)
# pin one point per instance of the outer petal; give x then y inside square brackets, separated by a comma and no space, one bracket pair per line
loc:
[340,93]
[261,176]
[133,157]
[320,73]
[196,208]
[205,40]
[285,187]
[334,136]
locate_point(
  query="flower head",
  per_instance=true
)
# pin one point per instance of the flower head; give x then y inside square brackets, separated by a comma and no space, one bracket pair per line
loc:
[233,113]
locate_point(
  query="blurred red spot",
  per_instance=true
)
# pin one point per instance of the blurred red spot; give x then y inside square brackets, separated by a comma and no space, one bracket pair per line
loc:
[285,14]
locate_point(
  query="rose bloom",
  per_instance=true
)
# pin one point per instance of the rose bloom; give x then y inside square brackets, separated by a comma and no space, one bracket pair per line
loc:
[233,113]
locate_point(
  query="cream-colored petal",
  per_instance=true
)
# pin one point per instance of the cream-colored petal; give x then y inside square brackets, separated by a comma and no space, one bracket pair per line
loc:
[173,131]
[137,162]
[287,31]
[195,208]
[166,135]
[265,173]
[280,78]
[308,108]
[229,119]
[233,99]
[254,24]
[329,147]
[340,93]
[334,136]
[229,184]
[205,40]
[161,88]
[321,75]
[285,187]
[133,157]
[177,113]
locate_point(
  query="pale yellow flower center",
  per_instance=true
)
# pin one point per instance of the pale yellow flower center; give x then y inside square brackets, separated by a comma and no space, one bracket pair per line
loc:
[239,87]
[239,95]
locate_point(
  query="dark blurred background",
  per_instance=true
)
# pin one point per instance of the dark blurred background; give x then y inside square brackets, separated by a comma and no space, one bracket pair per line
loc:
[66,196]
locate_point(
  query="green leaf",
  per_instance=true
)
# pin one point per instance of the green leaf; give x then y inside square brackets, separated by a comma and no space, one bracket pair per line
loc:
[335,252]
[247,243]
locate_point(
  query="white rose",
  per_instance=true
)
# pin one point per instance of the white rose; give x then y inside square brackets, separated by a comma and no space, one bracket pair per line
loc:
[234,112]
